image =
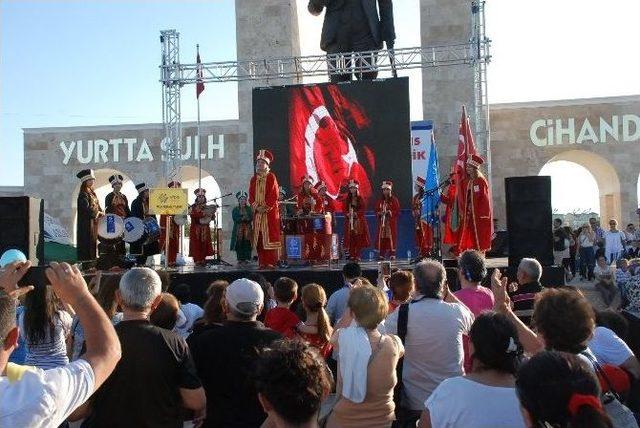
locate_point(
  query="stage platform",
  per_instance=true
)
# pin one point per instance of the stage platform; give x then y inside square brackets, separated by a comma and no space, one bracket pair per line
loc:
[328,276]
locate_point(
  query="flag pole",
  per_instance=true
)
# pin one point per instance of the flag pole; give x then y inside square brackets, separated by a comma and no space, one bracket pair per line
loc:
[198,130]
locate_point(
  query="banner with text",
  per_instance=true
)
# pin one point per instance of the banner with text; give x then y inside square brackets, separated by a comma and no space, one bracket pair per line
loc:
[420,146]
[168,201]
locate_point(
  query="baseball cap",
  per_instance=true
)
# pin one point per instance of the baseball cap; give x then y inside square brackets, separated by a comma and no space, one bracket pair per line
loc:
[244,296]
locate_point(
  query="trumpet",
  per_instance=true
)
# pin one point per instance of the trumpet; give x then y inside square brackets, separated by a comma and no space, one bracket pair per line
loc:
[351,217]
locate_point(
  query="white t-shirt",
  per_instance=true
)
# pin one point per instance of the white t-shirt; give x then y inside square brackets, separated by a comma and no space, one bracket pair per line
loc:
[45,398]
[191,313]
[613,241]
[461,402]
[433,346]
[608,348]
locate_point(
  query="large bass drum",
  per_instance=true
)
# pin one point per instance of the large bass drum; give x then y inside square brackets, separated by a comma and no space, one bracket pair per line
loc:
[133,229]
[110,228]
[151,229]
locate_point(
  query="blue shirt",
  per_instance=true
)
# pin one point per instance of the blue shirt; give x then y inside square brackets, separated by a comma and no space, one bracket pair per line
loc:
[20,353]
[338,303]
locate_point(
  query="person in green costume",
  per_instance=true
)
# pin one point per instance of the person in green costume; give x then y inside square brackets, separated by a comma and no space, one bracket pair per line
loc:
[242,233]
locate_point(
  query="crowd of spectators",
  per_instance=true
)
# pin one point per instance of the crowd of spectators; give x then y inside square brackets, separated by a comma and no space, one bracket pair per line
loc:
[405,352]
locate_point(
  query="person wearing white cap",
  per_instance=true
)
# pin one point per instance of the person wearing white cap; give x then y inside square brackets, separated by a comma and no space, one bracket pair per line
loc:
[388,211]
[89,211]
[140,209]
[200,245]
[423,231]
[225,358]
[117,203]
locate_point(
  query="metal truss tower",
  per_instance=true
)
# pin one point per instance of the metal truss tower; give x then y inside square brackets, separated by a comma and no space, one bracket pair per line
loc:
[474,53]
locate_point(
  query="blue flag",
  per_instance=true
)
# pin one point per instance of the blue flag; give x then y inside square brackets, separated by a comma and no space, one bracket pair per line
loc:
[431,201]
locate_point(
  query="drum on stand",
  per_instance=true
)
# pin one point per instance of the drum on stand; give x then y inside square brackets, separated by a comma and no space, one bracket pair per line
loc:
[110,228]
[134,229]
[152,230]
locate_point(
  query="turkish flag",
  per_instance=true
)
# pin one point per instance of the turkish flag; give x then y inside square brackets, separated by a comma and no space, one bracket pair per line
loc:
[322,142]
[199,82]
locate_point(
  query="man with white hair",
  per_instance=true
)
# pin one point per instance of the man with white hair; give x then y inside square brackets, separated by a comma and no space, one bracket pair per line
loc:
[156,378]
[225,358]
[528,277]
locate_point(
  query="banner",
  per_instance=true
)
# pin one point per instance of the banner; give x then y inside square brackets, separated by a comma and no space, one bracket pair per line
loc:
[168,201]
[420,147]
[54,231]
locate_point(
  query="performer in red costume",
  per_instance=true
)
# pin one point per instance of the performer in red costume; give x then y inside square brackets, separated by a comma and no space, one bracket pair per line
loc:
[308,205]
[199,232]
[388,211]
[263,198]
[356,231]
[327,205]
[424,232]
[477,219]
[174,232]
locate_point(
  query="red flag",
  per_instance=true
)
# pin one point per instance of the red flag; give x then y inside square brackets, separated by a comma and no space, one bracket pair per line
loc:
[199,82]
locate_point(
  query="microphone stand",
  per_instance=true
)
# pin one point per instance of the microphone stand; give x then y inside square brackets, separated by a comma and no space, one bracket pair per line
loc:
[436,249]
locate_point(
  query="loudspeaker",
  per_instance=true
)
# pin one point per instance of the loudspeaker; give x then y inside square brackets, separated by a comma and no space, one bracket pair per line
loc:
[22,225]
[529,219]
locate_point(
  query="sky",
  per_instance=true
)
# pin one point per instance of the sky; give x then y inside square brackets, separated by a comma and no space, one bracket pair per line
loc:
[68,63]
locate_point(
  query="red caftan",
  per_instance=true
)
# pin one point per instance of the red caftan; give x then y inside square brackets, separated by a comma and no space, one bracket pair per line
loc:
[174,238]
[310,204]
[263,192]
[424,232]
[356,231]
[388,211]
[477,220]
[199,237]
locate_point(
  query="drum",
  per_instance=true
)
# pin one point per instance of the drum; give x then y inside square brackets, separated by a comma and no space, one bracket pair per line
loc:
[133,229]
[321,223]
[110,228]
[290,225]
[152,230]
[209,212]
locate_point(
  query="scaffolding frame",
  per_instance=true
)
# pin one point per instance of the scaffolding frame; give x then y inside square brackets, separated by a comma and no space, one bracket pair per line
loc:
[173,75]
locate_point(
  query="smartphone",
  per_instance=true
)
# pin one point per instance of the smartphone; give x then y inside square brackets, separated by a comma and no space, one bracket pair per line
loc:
[35,276]
[385,268]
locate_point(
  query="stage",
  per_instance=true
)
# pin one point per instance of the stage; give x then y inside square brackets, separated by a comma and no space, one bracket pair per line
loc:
[328,276]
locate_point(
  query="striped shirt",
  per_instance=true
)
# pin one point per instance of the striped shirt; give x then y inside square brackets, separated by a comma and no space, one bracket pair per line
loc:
[52,351]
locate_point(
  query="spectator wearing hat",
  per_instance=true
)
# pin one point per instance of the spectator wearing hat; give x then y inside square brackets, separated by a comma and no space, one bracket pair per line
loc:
[225,358]
[140,209]
[199,232]
[263,198]
[170,249]
[242,234]
[356,230]
[424,233]
[89,211]
[476,222]
[388,212]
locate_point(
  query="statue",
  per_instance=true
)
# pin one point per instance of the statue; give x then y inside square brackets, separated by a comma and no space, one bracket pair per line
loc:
[354,26]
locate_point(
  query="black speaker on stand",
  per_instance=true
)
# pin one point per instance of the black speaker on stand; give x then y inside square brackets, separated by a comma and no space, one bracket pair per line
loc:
[22,225]
[529,218]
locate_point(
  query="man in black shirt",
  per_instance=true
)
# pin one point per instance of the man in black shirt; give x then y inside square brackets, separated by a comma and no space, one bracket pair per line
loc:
[528,276]
[559,244]
[226,358]
[156,378]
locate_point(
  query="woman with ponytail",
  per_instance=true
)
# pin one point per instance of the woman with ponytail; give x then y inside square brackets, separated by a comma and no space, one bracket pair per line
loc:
[316,329]
[485,397]
[557,389]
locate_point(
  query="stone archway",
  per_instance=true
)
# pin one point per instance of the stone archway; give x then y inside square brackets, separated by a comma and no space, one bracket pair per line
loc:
[606,178]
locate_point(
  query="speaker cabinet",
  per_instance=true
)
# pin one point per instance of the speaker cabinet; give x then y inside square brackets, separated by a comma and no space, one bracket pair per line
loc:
[22,225]
[529,219]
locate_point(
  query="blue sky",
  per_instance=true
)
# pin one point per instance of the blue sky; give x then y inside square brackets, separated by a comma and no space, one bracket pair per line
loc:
[66,63]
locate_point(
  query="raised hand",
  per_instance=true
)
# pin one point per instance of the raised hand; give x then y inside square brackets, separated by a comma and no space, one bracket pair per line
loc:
[10,276]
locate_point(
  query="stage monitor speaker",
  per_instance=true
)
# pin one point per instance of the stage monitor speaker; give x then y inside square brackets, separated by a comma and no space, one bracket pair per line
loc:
[529,219]
[22,225]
